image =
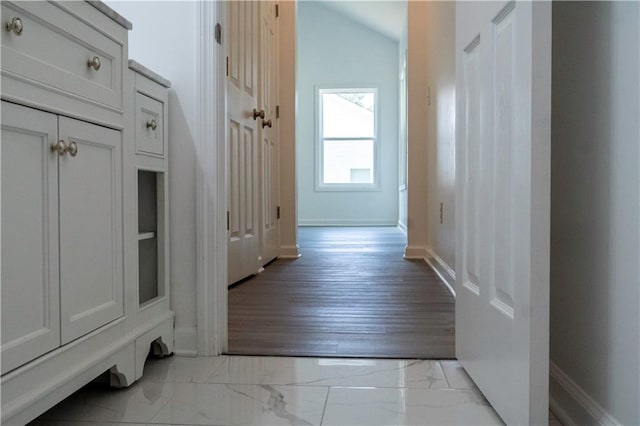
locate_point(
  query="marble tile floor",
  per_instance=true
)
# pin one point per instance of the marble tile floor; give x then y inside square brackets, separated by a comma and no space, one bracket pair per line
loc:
[246,390]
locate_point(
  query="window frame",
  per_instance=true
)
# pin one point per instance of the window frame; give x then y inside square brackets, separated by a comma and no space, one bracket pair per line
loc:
[320,185]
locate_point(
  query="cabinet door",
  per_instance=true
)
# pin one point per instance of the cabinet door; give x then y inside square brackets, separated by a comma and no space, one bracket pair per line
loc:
[91,279]
[30,287]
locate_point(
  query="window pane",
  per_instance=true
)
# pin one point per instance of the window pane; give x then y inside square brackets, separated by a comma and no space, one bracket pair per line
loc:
[348,115]
[348,161]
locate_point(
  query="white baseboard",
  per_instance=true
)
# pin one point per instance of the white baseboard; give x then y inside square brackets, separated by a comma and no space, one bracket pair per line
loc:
[289,252]
[442,269]
[571,404]
[403,227]
[346,222]
[186,342]
[415,252]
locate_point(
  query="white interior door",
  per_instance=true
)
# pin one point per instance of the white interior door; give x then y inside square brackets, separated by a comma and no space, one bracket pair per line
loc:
[503,73]
[30,287]
[242,135]
[91,281]
[268,130]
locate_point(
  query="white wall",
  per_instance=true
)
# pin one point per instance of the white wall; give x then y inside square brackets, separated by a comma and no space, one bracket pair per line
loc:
[164,39]
[333,52]
[441,129]
[287,129]
[431,129]
[595,249]
[417,208]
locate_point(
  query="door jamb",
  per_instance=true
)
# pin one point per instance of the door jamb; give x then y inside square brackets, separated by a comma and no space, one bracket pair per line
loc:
[211,184]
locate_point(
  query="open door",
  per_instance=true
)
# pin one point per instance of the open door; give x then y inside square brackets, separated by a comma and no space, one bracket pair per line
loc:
[242,131]
[268,130]
[503,79]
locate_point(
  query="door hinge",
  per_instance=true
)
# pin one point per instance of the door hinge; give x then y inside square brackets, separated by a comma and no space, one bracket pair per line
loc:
[277,111]
[218,33]
[277,10]
[228,220]
[278,212]
[227,66]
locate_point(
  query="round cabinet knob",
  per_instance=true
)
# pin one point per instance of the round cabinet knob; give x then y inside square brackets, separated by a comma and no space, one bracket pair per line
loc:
[266,123]
[257,114]
[15,25]
[72,149]
[60,147]
[94,63]
[152,124]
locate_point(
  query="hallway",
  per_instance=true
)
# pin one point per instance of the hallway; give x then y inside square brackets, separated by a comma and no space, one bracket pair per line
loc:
[351,294]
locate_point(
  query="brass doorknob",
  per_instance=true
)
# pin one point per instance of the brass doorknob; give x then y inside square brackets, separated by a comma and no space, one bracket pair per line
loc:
[15,25]
[257,114]
[266,123]
[152,124]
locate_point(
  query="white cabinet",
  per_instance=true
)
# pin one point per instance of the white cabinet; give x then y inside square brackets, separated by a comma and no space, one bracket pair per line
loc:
[30,287]
[70,294]
[149,124]
[91,281]
[61,231]
[147,246]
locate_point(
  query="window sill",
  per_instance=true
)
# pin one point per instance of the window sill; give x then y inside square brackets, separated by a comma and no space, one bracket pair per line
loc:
[348,187]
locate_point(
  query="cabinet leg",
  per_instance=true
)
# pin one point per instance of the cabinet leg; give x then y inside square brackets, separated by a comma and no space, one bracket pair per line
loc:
[160,349]
[122,375]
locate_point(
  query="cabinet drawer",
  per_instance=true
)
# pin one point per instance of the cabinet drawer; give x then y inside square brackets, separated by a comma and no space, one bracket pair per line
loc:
[54,51]
[149,125]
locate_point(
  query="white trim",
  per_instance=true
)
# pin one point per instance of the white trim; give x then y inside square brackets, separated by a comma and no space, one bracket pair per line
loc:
[403,227]
[415,252]
[211,259]
[346,222]
[579,406]
[185,341]
[442,269]
[289,252]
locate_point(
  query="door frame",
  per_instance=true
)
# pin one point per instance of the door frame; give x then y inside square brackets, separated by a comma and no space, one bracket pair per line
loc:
[211,184]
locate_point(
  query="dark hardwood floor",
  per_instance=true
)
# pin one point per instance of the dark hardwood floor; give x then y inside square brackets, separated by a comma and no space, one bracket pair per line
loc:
[351,294]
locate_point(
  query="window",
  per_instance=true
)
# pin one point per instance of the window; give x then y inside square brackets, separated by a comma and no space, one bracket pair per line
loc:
[347,140]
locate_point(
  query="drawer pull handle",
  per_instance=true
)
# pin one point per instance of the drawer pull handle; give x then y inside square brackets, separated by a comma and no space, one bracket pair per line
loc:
[266,123]
[152,124]
[15,26]
[72,149]
[60,147]
[94,63]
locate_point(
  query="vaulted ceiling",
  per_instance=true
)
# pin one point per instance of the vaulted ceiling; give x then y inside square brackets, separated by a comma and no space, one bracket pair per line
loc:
[384,16]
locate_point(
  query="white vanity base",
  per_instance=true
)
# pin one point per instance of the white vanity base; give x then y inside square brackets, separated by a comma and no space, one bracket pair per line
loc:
[30,390]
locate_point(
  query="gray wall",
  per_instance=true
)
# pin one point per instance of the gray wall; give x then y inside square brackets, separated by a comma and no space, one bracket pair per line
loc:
[334,50]
[595,249]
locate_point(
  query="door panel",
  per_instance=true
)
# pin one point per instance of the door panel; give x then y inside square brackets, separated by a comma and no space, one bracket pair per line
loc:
[30,287]
[90,229]
[503,124]
[242,139]
[268,78]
